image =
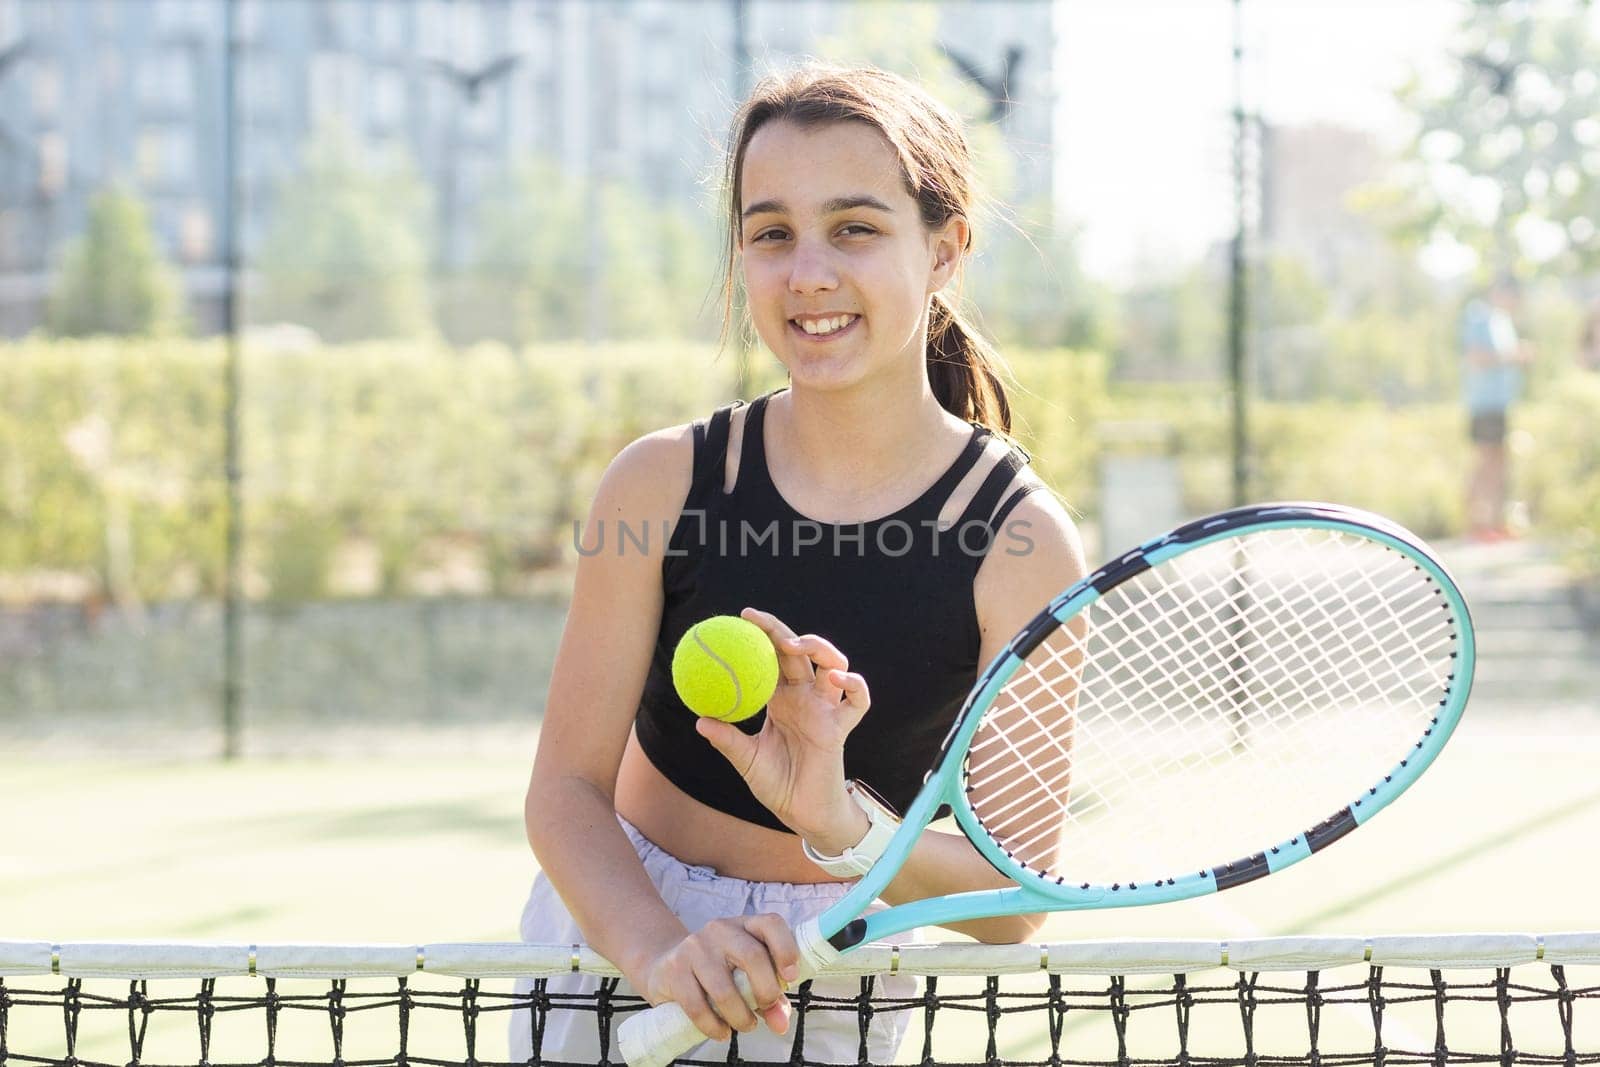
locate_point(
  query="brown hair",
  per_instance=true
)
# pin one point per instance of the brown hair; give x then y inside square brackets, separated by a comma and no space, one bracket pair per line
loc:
[936,167]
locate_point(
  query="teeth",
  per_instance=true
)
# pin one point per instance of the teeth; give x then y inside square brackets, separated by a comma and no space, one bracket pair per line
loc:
[822,326]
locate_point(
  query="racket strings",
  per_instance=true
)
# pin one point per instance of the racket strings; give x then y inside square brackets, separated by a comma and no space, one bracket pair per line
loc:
[1029,736]
[1294,666]
[1239,692]
[1266,688]
[1281,670]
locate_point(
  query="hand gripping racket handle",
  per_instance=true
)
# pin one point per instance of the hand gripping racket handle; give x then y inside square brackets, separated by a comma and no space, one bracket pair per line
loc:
[656,1037]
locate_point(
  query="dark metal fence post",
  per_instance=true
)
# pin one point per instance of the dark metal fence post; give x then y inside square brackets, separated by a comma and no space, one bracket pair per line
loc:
[232,596]
[1238,307]
[741,88]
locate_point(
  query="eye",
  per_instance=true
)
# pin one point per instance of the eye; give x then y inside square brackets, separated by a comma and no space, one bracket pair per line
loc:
[856,229]
[773,234]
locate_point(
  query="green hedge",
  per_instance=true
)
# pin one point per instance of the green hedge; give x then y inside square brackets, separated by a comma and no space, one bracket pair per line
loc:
[1558,463]
[394,469]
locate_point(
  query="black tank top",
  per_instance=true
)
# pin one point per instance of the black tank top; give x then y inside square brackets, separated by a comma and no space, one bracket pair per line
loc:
[894,595]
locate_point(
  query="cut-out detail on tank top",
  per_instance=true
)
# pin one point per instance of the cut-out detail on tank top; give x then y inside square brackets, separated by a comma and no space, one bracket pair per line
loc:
[755,476]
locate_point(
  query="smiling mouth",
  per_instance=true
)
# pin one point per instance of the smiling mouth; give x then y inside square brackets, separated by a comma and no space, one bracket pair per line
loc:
[821,328]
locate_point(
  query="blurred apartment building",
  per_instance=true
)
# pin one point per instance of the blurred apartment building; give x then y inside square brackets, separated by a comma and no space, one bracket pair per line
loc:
[95,92]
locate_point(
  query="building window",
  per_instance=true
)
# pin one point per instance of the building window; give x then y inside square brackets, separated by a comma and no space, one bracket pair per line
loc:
[261,87]
[471,36]
[389,26]
[262,159]
[166,81]
[165,156]
[522,27]
[110,64]
[388,98]
[179,16]
[41,18]
[10,239]
[46,91]
[10,22]
[249,18]
[52,162]
[433,29]
[335,88]
[195,234]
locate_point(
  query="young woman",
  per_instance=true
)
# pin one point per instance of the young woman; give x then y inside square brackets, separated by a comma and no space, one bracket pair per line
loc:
[871,518]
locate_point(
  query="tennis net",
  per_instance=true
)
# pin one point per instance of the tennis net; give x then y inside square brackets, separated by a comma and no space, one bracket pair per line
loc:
[1263,1002]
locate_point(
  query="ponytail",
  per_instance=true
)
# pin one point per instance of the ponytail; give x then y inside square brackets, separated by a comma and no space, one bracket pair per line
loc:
[964,370]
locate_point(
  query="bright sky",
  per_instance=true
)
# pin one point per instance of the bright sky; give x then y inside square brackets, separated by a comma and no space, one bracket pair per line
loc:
[1146,92]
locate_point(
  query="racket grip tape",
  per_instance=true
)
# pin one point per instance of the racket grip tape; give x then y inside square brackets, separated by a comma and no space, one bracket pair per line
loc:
[659,1035]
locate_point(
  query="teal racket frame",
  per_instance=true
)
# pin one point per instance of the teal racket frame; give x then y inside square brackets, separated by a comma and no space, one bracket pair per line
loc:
[845,924]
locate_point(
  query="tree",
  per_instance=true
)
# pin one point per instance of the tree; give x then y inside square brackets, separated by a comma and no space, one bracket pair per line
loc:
[1506,161]
[345,253]
[655,265]
[1173,327]
[1026,281]
[904,39]
[113,279]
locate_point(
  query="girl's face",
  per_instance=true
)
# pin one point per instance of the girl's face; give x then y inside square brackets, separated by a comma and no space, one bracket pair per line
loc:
[837,262]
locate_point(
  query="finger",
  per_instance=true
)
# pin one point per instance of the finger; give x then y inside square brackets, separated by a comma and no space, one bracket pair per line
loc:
[820,656]
[822,652]
[828,660]
[736,746]
[775,627]
[691,997]
[726,1000]
[794,666]
[782,948]
[796,670]
[759,973]
[776,1016]
[758,970]
[857,698]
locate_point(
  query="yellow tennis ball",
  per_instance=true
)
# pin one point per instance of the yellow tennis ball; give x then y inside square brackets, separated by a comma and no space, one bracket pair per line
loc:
[725,668]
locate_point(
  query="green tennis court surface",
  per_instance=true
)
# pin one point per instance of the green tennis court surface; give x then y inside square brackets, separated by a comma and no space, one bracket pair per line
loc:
[415,849]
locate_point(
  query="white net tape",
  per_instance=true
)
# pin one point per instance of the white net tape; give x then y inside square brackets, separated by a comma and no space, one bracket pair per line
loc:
[1215,704]
[148,960]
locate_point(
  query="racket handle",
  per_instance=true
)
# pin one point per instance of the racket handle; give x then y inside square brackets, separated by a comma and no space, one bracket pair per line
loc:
[656,1037]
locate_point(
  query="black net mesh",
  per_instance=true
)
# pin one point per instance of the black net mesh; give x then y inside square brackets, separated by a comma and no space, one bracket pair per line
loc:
[1530,1014]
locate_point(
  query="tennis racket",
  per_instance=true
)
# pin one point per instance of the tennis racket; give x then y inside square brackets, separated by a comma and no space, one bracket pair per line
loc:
[1208,709]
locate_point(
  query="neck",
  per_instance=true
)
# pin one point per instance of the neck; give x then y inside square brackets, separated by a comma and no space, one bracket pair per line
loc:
[855,441]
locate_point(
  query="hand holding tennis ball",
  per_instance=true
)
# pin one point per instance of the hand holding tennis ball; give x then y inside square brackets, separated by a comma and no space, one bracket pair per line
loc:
[725,668]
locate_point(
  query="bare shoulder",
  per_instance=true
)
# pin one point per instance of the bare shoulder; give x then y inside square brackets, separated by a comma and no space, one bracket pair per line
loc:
[1036,554]
[649,479]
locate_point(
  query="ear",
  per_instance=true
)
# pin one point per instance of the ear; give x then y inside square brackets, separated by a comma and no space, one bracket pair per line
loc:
[948,245]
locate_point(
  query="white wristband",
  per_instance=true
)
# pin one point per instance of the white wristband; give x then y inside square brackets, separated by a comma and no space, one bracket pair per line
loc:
[858,859]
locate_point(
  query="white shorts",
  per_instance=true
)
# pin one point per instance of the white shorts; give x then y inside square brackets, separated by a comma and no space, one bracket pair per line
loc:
[698,895]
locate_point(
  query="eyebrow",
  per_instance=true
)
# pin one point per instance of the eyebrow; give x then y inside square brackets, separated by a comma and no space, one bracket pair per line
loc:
[838,203]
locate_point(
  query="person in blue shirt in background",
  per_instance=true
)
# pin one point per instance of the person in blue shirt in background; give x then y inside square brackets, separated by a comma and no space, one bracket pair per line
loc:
[1492,361]
[1589,343]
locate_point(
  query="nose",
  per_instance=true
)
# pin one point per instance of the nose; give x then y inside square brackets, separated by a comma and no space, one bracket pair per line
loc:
[811,268]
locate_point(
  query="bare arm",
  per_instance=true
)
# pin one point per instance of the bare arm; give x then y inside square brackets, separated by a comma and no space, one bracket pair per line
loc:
[599,672]
[570,814]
